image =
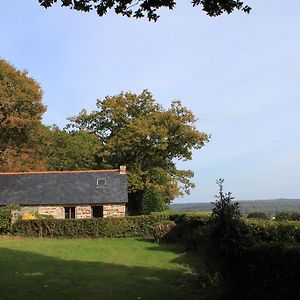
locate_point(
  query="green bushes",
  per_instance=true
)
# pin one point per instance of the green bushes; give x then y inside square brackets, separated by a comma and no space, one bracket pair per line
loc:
[248,259]
[258,215]
[108,227]
[287,216]
[286,232]
[5,217]
[152,201]
[266,271]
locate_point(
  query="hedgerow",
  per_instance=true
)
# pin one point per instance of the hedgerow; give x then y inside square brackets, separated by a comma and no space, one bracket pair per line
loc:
[5,217]
[77,228]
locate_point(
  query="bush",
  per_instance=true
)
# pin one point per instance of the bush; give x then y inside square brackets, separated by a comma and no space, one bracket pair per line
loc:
[138,226]
[266,271]
[285,232]
[287,216]
[255,259]
[186,226]
[152,201]
[258,215]
[161,230]
[6,216]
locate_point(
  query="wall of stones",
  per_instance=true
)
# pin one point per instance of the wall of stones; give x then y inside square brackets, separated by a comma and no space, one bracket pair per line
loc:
[57,212]
[114,210]
[81,211]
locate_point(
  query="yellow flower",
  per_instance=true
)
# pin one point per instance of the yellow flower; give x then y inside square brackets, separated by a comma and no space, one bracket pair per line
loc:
[28,217]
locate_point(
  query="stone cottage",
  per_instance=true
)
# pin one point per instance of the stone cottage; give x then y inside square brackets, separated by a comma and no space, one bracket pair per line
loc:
[67,194]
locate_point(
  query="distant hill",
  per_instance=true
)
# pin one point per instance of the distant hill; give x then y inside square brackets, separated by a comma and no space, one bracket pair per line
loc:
[270,207]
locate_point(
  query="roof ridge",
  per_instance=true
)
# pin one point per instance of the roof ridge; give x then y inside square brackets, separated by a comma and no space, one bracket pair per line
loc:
[58,172]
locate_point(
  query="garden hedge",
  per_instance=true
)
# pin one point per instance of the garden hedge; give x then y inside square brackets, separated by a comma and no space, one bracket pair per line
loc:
[78,228]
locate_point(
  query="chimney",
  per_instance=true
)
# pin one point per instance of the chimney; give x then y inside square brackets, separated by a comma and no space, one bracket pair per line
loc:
[122,170]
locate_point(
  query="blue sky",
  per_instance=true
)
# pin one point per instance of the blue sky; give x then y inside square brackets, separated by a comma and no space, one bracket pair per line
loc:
[239,74]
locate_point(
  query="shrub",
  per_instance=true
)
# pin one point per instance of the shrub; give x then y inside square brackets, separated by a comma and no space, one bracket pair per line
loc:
[6,216]
[152,201]
[162,230]
[287,216]
[138,226]
[266,271]
[284,232]
[258,215]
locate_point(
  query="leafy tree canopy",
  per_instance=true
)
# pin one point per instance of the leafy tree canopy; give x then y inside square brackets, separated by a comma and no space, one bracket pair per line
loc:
[21,130]
[147,8]
[135,131]
[72,151]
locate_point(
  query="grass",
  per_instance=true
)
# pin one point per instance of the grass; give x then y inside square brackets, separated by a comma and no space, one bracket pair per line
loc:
[32,268]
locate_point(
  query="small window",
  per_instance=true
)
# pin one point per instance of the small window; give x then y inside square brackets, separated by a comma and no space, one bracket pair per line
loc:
[101,182]
[97,211]
[70,212]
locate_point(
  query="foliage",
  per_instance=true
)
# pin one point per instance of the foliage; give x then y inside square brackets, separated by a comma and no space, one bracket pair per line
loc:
[258,215]
[146,8]
[72,151]
[152,202]
[23,137]
[287,216]
[266,271]
[138,226]
[187,224]
[6,216]
[162,229]
[284,232]
[135,131]
[249,259]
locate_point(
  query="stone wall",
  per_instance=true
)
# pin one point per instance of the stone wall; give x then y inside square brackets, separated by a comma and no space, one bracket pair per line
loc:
[83,212]
[57,212]
[113,210]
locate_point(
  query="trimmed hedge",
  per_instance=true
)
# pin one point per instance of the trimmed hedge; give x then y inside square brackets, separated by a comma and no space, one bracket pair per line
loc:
[274,231]
[258,215]
[287,216]
[267,271]
[77,228]
[5,217]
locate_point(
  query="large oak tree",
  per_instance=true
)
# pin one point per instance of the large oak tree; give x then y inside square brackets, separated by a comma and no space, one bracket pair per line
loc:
[147,8]
[22,136]
[135,131]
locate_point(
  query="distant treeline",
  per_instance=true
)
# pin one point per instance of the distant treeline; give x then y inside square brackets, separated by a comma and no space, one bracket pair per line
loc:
[270,207]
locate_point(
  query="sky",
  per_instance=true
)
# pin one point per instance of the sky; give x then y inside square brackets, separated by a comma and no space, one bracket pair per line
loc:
[238,73]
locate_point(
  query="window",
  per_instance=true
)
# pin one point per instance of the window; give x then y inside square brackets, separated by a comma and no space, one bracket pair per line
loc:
[101,182]
[97,211]
[70,212]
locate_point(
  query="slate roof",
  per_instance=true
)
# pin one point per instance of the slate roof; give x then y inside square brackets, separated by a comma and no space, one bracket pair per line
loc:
[63,188]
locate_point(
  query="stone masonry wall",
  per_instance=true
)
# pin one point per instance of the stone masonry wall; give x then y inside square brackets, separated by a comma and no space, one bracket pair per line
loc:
[57,212]
[83,212]
[114,210]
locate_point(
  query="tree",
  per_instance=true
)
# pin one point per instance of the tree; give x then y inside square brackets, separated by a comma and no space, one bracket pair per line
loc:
[135,131]
[22,135]
[152,202]
[147,8]
[72,151]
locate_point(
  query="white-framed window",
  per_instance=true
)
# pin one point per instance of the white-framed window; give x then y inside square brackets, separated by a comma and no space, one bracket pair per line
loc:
[101,182]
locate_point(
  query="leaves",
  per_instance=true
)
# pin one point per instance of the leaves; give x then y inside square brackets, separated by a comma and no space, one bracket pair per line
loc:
[135,131]
[72,151]
[22,134]
[147,8]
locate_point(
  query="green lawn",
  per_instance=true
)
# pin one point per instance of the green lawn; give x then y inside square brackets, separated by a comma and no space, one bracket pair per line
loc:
[32,268]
